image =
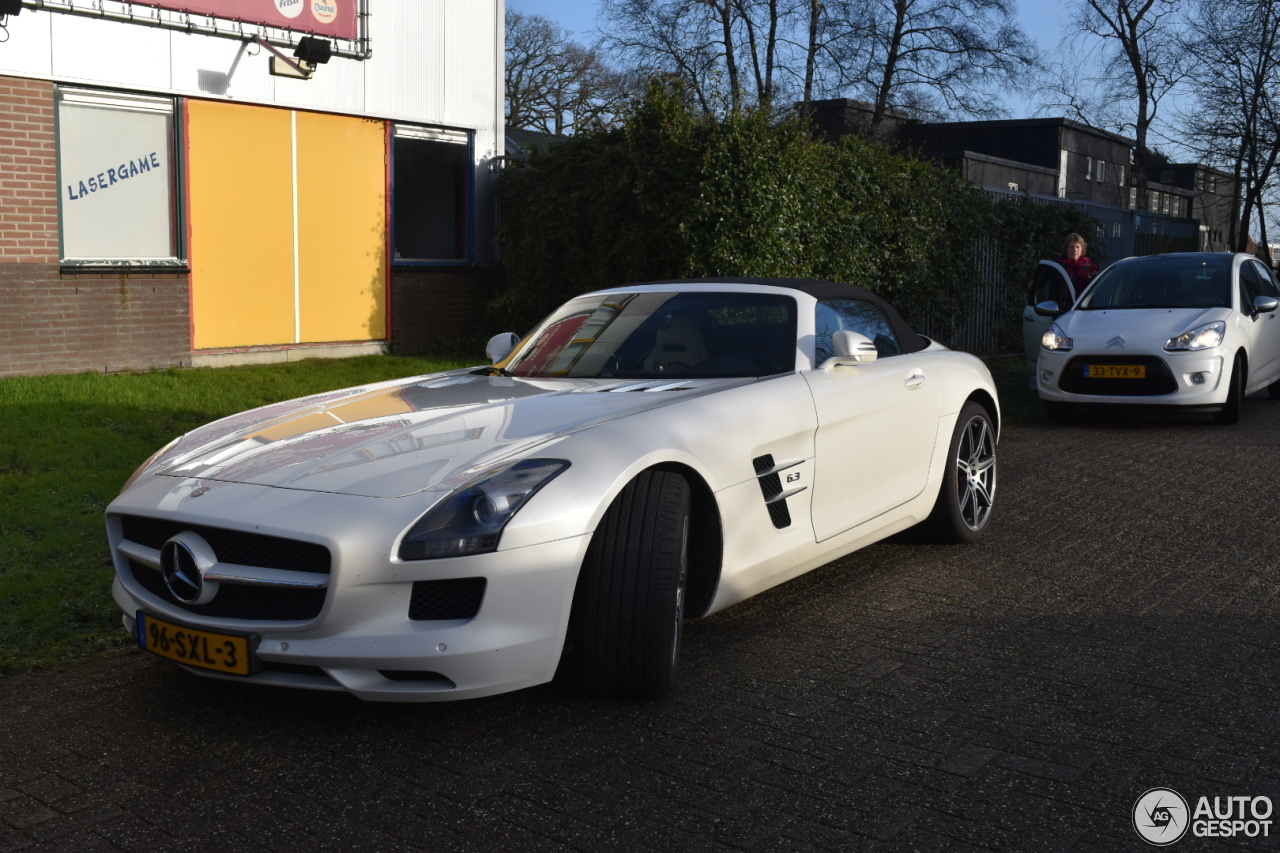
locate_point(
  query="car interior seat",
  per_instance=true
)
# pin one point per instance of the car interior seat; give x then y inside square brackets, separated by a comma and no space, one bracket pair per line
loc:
[677,346]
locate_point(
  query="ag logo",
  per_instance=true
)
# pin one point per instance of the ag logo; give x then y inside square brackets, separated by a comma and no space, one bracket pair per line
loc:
[1160,816]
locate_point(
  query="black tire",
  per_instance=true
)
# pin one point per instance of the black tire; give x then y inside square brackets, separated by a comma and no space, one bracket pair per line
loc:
[1274,390]
[962,512]
[625,623]
[1230,413]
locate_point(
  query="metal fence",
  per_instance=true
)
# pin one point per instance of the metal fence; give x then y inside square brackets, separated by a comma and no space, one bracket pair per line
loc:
[1119,233]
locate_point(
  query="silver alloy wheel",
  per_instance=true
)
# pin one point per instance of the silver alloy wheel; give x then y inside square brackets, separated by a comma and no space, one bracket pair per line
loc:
[976,472]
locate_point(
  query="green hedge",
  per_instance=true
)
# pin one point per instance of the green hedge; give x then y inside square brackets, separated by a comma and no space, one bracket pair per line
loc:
[674,193]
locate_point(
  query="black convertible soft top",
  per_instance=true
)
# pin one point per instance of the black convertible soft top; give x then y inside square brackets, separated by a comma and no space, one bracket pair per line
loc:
[818,289]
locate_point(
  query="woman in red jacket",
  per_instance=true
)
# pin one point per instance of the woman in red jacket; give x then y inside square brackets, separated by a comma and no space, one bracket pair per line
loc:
[1080,268]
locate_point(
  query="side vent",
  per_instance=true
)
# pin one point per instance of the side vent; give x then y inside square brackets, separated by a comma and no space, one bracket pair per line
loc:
[768,475]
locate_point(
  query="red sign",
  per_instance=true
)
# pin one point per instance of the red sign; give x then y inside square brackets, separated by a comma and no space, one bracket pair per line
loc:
[333,18]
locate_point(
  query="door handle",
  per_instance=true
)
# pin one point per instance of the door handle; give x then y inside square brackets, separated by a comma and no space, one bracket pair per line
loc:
[914,381]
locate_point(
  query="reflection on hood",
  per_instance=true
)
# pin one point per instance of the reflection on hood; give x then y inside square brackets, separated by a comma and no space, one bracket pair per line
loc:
[403,438]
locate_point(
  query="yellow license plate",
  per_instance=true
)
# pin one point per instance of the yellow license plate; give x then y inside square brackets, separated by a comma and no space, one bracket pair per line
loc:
[229,653]
[1116,371]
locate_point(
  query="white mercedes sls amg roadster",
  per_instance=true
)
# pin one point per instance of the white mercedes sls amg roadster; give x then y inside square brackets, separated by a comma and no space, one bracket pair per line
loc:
[646,454]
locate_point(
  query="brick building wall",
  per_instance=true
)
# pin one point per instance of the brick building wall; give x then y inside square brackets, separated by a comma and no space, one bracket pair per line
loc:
[444,306]
[28,173]
[62,322]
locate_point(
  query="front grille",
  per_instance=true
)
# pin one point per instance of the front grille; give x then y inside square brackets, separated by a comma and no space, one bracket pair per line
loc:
[236,601]
[456,598]
[1158,379]
[233,546]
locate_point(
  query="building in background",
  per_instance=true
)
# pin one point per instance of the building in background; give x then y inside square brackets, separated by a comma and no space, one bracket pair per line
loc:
[165,198]
[1187,207]
[1209,193]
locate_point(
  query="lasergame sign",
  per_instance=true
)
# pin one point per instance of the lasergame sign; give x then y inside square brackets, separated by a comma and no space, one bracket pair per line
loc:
[333,18]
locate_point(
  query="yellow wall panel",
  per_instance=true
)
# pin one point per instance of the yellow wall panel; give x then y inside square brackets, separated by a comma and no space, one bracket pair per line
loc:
[240,162]
[342,229]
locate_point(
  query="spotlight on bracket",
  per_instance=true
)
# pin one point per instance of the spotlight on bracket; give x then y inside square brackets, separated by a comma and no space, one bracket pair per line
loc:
[313,51]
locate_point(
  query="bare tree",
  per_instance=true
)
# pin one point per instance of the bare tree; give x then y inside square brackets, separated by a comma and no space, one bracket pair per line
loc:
[914,53]
[1139,62]
[555,85]
[1235,48]
[729,53]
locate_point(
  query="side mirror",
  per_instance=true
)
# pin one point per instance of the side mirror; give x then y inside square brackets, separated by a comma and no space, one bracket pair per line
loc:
[1047,309]
[850,348]
[1265,304]
[500,346]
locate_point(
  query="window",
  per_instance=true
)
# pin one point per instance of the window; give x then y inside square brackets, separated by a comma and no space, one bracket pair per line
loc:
[853,315]
[1133,197]
[1088,168]
[654,335]
[1200,180]
[431,191]
[1102,170]
[1049,285]
[117,178]
[1013,185]
[1166,177]
[1213,183]
[1119,176]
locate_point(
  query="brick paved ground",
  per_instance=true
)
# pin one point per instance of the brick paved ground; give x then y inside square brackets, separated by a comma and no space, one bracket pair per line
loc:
[1115,632]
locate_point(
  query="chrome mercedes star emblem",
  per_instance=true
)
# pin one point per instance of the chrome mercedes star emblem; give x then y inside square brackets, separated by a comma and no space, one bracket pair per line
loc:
[184,561]
[1117,341]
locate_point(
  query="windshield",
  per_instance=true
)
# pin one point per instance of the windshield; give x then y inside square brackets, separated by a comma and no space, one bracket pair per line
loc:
[655,335]
[1186,281]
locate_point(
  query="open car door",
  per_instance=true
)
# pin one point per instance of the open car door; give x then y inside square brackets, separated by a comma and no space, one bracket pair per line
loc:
[1050,282]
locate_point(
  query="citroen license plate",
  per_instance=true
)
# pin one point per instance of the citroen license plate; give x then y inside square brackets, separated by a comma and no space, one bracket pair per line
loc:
[229,653]
[1116,371]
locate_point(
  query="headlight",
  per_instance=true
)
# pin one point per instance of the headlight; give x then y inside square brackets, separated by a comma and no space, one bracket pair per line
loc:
[150,460]
[1055,339]
[1201,337]
[470,520]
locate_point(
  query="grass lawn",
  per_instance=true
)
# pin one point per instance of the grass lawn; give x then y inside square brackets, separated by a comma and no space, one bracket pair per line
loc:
[67,443]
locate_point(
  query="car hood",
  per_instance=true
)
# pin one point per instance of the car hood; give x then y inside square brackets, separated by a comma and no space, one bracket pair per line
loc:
[1142,328]
[404,437]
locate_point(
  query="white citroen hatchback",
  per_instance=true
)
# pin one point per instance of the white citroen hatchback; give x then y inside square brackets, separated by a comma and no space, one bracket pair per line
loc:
[1194,330]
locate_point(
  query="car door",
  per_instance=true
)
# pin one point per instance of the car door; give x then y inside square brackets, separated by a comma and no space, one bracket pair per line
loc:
[876,423]
[1050,282]
[1263,329]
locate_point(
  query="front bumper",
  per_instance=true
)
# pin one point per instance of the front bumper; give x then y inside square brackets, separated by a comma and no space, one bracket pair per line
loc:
[1174,379]
[362,640]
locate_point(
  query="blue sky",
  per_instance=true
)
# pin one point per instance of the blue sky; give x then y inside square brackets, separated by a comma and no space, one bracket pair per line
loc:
[1042,20]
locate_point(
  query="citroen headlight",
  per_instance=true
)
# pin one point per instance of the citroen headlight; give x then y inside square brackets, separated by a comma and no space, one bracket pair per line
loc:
[1201,337]
[471,518]
[1055,339]
[150,461]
